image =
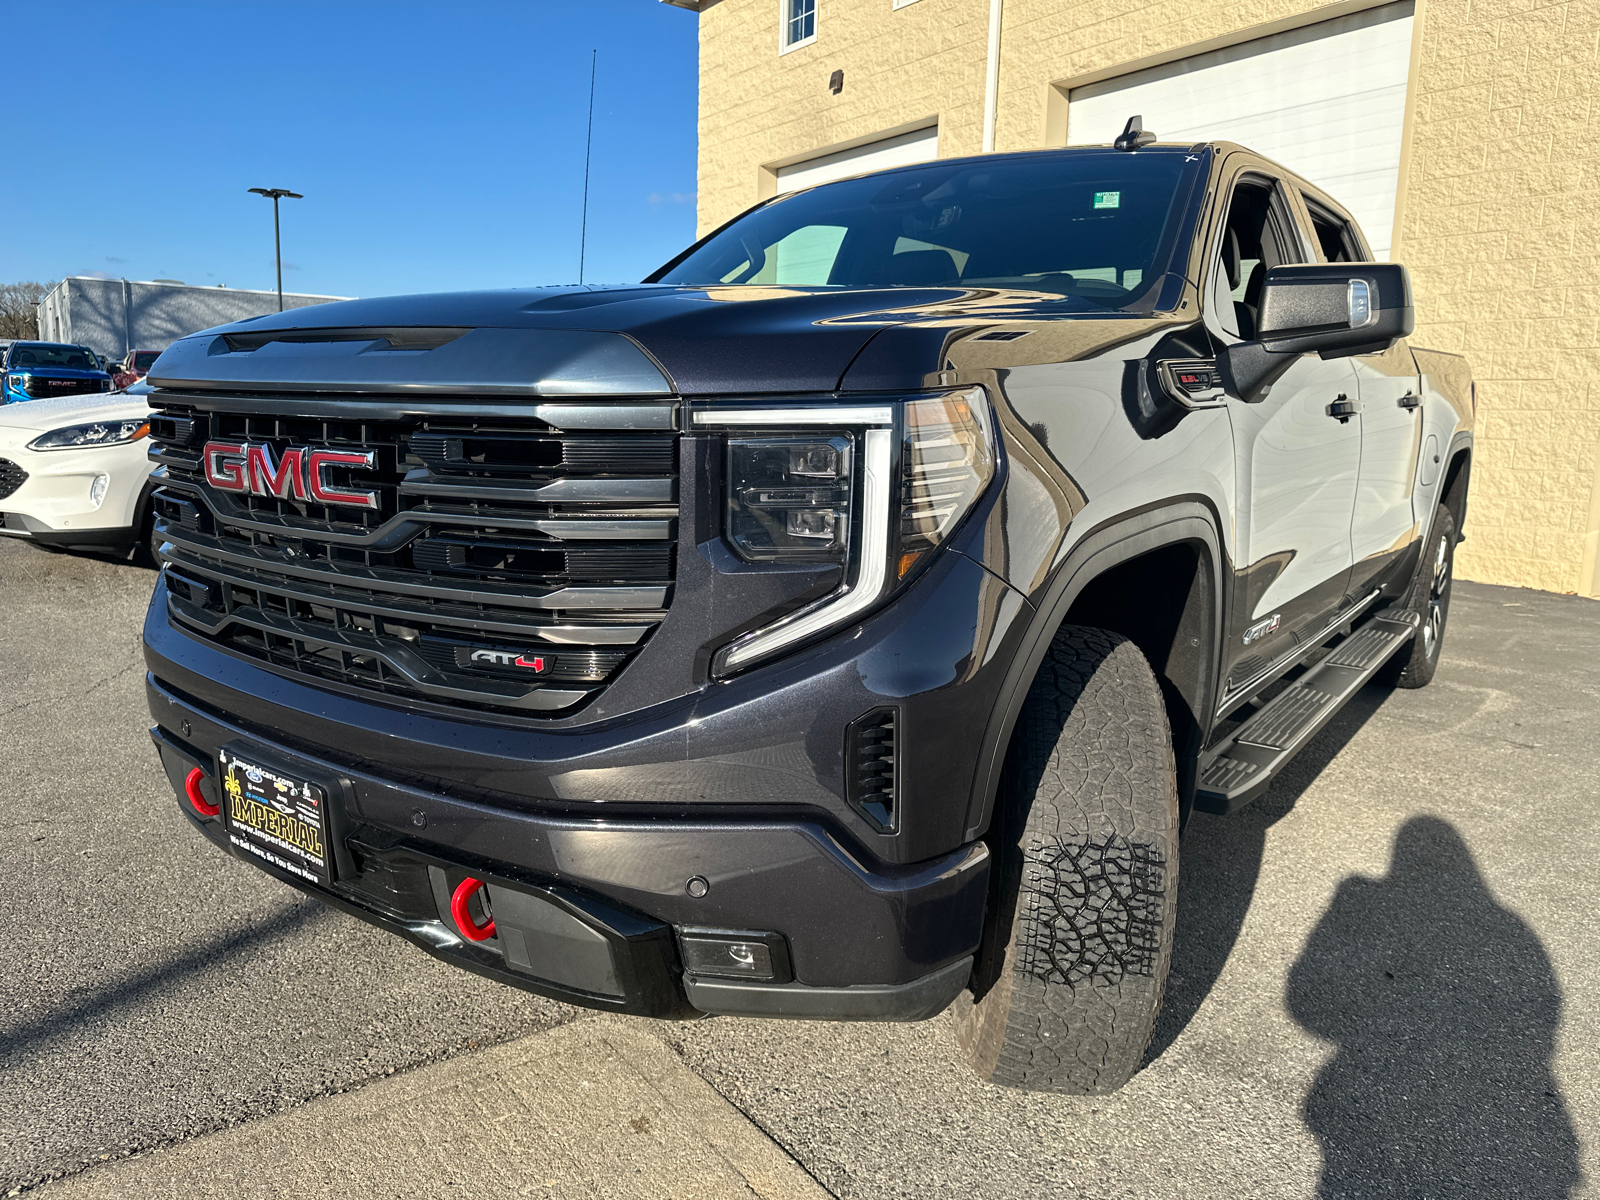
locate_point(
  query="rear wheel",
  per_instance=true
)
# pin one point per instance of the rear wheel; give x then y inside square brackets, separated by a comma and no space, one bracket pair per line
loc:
[1080,932]
[1413,667]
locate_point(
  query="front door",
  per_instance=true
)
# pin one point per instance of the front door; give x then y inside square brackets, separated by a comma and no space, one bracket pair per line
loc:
[1297,463]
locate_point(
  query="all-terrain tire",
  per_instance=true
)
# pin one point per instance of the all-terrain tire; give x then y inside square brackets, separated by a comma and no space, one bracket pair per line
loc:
[1080,926]
[1414,665]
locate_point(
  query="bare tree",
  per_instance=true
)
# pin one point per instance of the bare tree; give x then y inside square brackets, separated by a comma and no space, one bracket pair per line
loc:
[19,309]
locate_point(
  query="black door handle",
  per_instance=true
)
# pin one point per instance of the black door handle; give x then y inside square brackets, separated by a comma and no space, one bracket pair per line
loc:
[1343,408]
[1410,400]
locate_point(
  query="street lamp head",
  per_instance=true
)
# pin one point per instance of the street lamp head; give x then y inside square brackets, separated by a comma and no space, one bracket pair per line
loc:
[277,193]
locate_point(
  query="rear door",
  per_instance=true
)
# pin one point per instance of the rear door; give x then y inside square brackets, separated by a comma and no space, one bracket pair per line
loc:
[1384,525]
[1297,465]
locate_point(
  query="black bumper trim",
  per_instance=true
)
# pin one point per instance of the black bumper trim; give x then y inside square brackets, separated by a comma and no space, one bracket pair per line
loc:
[914,1001]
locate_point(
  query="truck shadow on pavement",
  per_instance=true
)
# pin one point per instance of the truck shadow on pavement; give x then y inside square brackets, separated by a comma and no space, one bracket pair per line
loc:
[101,1005]
[1220,864]
[1443,1005]
[1444,1008]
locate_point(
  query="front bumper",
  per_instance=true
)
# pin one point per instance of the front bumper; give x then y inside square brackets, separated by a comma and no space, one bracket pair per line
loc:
[879,943]
[53,504]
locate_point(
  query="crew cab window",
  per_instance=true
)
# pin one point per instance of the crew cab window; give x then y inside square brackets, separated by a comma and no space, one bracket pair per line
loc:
[145,359]
[1097,227]
[1259,234]
[1335,236]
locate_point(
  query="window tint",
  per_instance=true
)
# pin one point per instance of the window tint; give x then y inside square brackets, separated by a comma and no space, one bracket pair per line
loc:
[1100,227]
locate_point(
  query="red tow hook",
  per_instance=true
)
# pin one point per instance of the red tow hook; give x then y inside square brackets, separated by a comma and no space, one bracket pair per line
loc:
[470,929]
[191,789]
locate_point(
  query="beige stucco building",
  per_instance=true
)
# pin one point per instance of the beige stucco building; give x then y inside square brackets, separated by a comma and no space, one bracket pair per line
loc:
[1462,133]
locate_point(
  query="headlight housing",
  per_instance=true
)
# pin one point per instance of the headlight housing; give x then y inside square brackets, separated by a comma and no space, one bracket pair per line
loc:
[96,433]
[875,488]
[17,383]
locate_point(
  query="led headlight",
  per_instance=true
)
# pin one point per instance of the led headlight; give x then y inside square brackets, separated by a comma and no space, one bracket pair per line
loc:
[875,488]
[17,383]
[98,433]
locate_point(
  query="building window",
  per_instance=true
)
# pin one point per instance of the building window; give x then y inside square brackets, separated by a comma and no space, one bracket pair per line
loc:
[799,24]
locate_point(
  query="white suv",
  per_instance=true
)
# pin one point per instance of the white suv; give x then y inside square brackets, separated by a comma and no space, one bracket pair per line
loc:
[75,471]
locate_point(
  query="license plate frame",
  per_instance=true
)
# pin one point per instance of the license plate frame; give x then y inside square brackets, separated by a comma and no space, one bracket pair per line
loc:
[276,813]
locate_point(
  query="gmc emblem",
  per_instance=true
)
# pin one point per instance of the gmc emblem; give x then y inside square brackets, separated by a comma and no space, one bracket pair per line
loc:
[301,474]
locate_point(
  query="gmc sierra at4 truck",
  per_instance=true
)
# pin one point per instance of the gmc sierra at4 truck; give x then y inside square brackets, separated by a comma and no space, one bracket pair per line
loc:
[842,623]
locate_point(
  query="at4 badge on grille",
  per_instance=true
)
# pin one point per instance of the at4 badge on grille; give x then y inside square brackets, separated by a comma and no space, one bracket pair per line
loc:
[534,664]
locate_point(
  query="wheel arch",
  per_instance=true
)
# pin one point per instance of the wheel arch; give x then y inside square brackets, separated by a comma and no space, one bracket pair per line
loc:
[1183,643]
[1453,495]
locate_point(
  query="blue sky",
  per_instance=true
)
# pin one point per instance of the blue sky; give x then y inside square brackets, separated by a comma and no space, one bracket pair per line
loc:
[438,146]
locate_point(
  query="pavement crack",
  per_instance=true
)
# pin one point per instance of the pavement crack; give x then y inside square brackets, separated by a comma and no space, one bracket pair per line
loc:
[759,1124]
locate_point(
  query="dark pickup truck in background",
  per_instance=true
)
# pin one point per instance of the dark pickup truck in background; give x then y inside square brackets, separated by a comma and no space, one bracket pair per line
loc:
[841,624]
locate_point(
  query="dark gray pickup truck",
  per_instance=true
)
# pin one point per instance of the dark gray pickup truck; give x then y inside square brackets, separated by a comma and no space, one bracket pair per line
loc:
[841,624]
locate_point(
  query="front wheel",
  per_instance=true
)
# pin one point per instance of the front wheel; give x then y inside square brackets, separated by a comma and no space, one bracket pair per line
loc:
[1079,936]
[1413,666]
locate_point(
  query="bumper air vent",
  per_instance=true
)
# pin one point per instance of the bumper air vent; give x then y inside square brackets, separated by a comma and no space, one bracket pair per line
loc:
[872,772]
[505,564]
[11,477]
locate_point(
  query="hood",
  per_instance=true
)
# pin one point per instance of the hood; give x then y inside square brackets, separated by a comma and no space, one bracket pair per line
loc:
[617,341]
[45,415]
[59,372]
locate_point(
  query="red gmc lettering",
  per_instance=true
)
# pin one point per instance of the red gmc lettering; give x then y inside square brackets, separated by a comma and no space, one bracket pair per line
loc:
[282,480]
[225,466]
[318,461]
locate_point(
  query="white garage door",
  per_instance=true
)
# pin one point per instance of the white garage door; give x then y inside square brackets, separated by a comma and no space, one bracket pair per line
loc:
[920,145]
[1327,101]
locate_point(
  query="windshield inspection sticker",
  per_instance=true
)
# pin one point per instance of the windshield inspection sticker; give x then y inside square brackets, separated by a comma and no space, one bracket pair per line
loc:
[1108,199]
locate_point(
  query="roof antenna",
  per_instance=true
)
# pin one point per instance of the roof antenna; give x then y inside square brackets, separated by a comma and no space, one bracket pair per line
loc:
[588,146]
[1134,135]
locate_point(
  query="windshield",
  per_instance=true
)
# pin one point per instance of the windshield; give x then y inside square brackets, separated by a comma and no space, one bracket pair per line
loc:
[143,360]
[1096,225]
[42,354]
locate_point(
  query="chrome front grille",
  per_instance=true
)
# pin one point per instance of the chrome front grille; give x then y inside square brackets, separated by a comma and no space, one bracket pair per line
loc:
[513,562]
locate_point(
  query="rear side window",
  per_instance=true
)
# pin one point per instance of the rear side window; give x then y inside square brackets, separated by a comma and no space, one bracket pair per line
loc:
[1334,234]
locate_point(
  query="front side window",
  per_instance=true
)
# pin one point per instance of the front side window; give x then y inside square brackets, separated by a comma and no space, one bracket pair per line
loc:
[1099,227]
[1258,236]
[799,22]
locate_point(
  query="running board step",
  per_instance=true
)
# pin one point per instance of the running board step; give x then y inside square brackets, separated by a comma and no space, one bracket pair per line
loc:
[1243,766]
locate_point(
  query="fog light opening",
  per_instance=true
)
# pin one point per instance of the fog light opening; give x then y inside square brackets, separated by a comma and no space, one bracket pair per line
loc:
[760,955]
[197,798]
[470,929]
[97,490]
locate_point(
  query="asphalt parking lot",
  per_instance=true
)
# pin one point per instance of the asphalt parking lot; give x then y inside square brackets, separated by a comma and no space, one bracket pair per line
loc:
[1385,982]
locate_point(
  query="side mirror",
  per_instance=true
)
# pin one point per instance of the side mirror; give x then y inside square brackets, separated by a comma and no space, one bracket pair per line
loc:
[1332,309]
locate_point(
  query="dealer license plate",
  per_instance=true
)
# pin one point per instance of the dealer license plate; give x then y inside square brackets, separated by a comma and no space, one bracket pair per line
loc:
[279,818]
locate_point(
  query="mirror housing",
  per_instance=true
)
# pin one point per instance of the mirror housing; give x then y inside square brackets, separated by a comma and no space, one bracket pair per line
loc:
[1332,309]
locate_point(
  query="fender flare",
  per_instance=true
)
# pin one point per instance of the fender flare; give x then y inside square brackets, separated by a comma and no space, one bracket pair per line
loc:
[1108,545]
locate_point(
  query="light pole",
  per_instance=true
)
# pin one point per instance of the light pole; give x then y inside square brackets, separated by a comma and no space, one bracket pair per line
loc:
[277,242]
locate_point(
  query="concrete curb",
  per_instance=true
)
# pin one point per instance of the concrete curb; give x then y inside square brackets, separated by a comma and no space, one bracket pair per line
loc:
[596,1108]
